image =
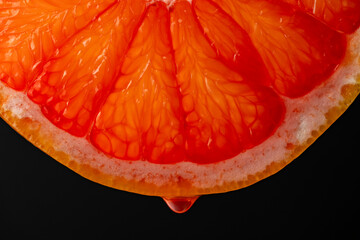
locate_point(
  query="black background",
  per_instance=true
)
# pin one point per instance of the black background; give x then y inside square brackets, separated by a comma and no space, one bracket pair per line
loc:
[313,197]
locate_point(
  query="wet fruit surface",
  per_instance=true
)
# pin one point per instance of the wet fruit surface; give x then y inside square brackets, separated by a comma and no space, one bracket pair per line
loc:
[171,81]
[340,15]
[177,98]
[290,42]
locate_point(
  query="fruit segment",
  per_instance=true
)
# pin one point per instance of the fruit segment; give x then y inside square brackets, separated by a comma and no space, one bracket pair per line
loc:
[30,31]
[298,51]
[231,41]
[79,76]
[141,118]
[224,114]
[342,15]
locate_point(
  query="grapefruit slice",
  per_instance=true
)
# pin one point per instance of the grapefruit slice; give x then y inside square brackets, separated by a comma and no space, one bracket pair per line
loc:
[177,98]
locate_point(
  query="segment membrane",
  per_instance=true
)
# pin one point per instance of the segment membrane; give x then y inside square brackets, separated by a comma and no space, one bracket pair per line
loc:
[224,114]
[299,51]
[141,118]
[231,42]
[30,32]
[342,15]
[77,78]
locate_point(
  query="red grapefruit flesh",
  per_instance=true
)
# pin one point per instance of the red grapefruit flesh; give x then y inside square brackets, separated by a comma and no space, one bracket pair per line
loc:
[32,30]
[177,98]
[224,114]
[298,51]
[151,127]
[79,74]
[231,42]
[340,15]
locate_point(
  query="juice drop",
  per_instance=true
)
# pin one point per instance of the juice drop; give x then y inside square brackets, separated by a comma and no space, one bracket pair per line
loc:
[180,204]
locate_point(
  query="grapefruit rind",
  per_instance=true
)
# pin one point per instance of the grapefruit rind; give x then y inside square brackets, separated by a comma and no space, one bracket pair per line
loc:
[305,120]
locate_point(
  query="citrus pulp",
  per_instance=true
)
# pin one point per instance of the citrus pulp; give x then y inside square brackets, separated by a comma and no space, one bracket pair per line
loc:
[177,98]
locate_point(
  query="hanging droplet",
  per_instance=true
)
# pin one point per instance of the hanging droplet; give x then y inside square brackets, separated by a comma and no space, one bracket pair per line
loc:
[180,204]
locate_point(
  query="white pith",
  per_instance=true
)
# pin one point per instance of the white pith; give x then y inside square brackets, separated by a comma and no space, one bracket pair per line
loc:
[303,115]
